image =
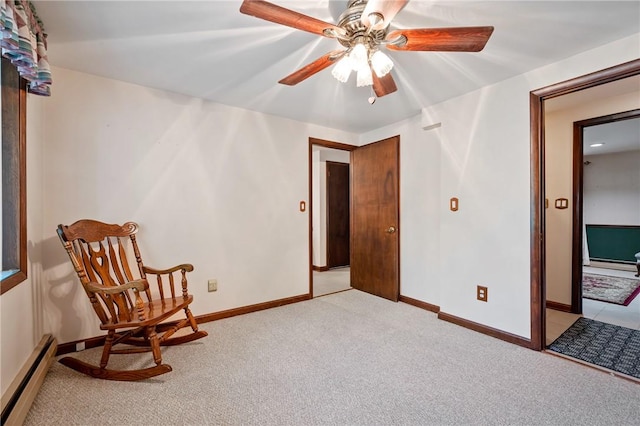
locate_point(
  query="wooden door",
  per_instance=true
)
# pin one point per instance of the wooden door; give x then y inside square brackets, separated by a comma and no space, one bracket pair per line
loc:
[337,214]
[375,237]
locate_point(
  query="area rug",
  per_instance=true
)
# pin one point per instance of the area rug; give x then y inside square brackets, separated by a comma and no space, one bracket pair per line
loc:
[607,345]
[605,288]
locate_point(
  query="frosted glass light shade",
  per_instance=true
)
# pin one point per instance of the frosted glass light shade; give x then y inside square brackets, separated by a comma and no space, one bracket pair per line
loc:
[342,70]
[365,78]
[381,63]
[360,56]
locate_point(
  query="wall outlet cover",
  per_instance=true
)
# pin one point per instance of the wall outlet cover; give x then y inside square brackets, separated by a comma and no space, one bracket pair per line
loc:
[482,293]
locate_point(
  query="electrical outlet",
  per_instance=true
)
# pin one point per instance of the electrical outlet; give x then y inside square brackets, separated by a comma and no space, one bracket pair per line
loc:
[213,285]
[80,346]
[483,293]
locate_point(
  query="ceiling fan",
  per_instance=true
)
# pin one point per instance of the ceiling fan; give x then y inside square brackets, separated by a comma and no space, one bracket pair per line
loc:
[363,30]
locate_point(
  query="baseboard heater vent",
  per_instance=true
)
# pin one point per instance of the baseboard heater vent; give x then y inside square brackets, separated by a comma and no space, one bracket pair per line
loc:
[17,399]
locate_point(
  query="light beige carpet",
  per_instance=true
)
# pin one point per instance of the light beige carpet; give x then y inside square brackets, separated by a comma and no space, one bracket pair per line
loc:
[344,359]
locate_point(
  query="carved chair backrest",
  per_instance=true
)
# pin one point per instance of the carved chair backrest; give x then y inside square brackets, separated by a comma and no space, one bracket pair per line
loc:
[98,252]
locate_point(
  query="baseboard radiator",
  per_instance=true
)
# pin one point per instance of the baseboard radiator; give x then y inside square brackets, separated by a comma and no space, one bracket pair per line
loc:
[17,399]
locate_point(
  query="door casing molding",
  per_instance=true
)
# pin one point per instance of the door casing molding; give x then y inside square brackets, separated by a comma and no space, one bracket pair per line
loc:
[537,194]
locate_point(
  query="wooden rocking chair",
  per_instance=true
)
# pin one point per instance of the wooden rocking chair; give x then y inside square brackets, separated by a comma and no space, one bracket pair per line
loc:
[99,256]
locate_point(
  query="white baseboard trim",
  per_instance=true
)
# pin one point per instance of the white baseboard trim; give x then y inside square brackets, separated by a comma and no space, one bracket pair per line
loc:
[17,399]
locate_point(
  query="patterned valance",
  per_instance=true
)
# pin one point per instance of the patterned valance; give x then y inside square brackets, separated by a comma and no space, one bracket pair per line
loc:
[24,43]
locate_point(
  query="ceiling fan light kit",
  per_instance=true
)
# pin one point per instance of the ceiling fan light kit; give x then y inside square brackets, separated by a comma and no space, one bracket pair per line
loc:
[342,70]
[381,63]
[362,30]
[364,77]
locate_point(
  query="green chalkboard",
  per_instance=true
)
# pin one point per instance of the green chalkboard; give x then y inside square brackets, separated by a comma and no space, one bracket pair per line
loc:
[614,243]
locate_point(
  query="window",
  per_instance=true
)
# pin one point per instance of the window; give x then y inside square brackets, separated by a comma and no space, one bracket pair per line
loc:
[14,204]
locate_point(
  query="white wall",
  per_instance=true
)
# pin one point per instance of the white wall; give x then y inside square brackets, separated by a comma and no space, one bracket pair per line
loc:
[320,214]
[335,155]
[611,189]
[485,164]
[559,184]
[212,185]
[317,248]
[21,322]
[484,160]
[480,154]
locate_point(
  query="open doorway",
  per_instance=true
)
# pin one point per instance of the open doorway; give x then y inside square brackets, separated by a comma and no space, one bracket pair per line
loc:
[329,165]
[592,238]
[538,188]
[608,235]
[374,213]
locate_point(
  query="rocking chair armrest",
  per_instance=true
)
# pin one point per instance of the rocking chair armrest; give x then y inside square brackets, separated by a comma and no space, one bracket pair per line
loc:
[185,266]
[139,285]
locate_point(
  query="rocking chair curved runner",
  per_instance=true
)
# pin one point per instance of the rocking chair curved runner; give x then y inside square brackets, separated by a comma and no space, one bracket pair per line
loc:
[128,309]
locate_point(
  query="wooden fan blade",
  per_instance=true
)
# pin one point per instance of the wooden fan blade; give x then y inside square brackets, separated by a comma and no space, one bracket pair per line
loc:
[280,15]
[312,68]
[383,85]
[387,8]
[460,39]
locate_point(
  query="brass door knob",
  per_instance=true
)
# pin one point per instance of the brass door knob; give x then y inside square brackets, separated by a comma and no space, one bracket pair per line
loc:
[391,230]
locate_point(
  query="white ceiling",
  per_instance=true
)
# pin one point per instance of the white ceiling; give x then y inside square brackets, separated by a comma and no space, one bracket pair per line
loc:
[618,136]
[208,49]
